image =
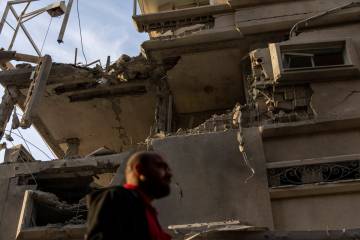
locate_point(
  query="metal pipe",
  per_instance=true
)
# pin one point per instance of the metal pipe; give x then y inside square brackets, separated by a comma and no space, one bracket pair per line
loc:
[135,8]
[36,12]
[96,61]
[76,53]
[107,63]
[65,21]
[20,1]
[31,17]
[18,26]
[3,19]
[26,31]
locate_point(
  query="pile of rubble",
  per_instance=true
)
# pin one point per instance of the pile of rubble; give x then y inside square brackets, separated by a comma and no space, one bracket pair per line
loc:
[128,68]
[71,213]
[217,123]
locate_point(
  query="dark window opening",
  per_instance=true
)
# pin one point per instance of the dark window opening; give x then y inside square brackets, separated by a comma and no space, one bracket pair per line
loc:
[312,58]
[70,190]
[294,60]
[329,59]
[51,211]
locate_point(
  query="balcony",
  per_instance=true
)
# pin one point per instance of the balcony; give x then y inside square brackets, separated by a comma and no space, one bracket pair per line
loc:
[165,15]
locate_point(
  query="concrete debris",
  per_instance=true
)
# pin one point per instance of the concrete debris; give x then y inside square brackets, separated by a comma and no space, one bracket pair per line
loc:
[72,213]
[216,123]
[191,231]
[101,152]
[126,68]
[269,100]
[15,123]
[220,122]
[24,66]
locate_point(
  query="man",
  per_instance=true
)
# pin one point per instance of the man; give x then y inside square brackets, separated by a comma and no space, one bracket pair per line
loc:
[125,212]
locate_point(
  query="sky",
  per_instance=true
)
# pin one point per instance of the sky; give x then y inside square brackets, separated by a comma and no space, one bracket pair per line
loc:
[107,30]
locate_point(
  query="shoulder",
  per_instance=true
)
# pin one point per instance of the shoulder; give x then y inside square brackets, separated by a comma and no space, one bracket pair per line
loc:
[117,193]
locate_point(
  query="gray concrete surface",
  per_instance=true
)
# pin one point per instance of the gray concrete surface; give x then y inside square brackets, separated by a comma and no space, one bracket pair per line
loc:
[211,172]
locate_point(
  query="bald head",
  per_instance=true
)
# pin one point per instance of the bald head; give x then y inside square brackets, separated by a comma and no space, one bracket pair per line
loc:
[150,172]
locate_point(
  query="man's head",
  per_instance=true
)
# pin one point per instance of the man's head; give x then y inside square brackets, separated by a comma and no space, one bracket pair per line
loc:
[150,172]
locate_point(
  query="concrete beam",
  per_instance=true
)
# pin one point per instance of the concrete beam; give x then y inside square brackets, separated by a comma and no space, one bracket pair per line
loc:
[113,91]
[36,91]
[60,73]
[158,50]
[310,126]
[63,165]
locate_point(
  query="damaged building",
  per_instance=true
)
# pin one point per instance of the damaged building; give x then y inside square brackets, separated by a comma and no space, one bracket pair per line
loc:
[255,105]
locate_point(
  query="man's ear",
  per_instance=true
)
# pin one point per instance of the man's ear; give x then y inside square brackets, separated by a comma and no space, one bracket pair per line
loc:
[139,171]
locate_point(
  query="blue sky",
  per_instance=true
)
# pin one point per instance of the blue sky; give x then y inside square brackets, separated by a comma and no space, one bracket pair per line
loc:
[107,29]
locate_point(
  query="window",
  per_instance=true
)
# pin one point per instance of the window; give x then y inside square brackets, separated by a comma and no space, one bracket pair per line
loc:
[295,61]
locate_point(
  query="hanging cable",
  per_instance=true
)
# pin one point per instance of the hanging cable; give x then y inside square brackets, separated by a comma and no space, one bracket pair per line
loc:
[10,25]
[24,141]
[80,30]
[31,145]
[47,32]
[26,165]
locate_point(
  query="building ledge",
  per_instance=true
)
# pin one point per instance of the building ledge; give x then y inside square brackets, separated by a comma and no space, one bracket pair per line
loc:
[309,126]
[181,17]
[306,190]
[162,49]
[280,235]
[75,232]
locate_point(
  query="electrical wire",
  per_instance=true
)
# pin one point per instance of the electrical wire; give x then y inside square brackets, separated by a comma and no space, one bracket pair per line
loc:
[32,145]
[10,25]
[26,165]
[80,31]
[23,140]
[47,32]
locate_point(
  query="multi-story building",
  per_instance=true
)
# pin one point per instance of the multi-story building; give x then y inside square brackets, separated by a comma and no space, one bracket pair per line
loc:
[255,104]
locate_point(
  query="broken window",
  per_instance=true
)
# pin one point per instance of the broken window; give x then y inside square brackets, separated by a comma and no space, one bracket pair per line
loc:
[59,201]
[304,61]
[44,215]
[313,58]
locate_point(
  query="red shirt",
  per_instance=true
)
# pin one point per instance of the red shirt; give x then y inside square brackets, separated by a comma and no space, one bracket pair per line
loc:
[155,230]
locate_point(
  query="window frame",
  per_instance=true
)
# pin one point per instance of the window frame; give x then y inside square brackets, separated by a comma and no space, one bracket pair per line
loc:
[348,69]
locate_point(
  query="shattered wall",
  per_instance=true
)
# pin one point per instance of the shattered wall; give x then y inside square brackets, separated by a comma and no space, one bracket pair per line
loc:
[61,185]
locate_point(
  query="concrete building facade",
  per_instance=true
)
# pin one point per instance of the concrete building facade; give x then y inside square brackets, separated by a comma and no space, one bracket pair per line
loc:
[255,104]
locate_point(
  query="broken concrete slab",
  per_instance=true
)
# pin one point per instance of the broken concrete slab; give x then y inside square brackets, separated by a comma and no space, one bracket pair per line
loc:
[218,169]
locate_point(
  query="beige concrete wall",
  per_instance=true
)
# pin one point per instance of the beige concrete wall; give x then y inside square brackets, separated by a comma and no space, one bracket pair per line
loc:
[317,212]
[307,146]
